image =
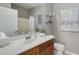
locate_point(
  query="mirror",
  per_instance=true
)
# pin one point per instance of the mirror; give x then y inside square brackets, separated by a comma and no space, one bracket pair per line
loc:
[15,20]
[12,25]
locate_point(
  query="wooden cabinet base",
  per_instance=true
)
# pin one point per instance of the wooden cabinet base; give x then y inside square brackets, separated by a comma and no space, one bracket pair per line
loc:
[47,51]
[33,51]
[43,49]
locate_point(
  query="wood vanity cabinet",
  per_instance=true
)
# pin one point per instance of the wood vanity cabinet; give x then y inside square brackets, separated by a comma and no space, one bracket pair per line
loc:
[46,48]
[33,51]
[47,51]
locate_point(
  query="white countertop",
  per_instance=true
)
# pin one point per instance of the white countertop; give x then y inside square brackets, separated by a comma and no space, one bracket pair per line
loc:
[21,45]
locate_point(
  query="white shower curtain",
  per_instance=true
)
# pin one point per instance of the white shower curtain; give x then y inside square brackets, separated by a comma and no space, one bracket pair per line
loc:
[32,24]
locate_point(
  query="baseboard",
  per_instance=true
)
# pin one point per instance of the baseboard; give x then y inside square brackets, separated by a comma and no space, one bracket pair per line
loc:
[70,53]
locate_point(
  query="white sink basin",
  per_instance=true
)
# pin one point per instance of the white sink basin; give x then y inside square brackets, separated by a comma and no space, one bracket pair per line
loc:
[4,42]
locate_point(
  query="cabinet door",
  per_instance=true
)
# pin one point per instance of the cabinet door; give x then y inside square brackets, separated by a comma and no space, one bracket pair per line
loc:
[48,51]
[45,45]
[33,51]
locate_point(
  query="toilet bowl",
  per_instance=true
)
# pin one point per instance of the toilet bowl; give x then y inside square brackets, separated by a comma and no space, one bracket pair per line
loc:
[59,49]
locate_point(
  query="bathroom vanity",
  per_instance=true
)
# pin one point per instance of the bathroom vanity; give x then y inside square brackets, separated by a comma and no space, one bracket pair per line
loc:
[46,48]
[22,46]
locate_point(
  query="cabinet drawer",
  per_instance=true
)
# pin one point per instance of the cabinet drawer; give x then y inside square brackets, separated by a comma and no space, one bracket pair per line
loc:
[45,45]
[32,51]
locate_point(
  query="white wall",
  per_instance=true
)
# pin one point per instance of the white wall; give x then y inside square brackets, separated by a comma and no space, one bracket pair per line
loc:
[6,5]
[8,21]
[46,9]
[70,39]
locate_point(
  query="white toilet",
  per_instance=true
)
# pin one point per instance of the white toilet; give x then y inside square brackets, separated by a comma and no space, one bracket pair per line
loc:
[59,49]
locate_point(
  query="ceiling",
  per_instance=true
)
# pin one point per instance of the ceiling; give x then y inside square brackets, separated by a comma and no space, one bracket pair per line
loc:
[28,5]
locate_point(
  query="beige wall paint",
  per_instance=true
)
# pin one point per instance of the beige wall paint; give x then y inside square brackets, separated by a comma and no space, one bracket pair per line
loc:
[22,12]
[36,11]
[70,39]
[23,25]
